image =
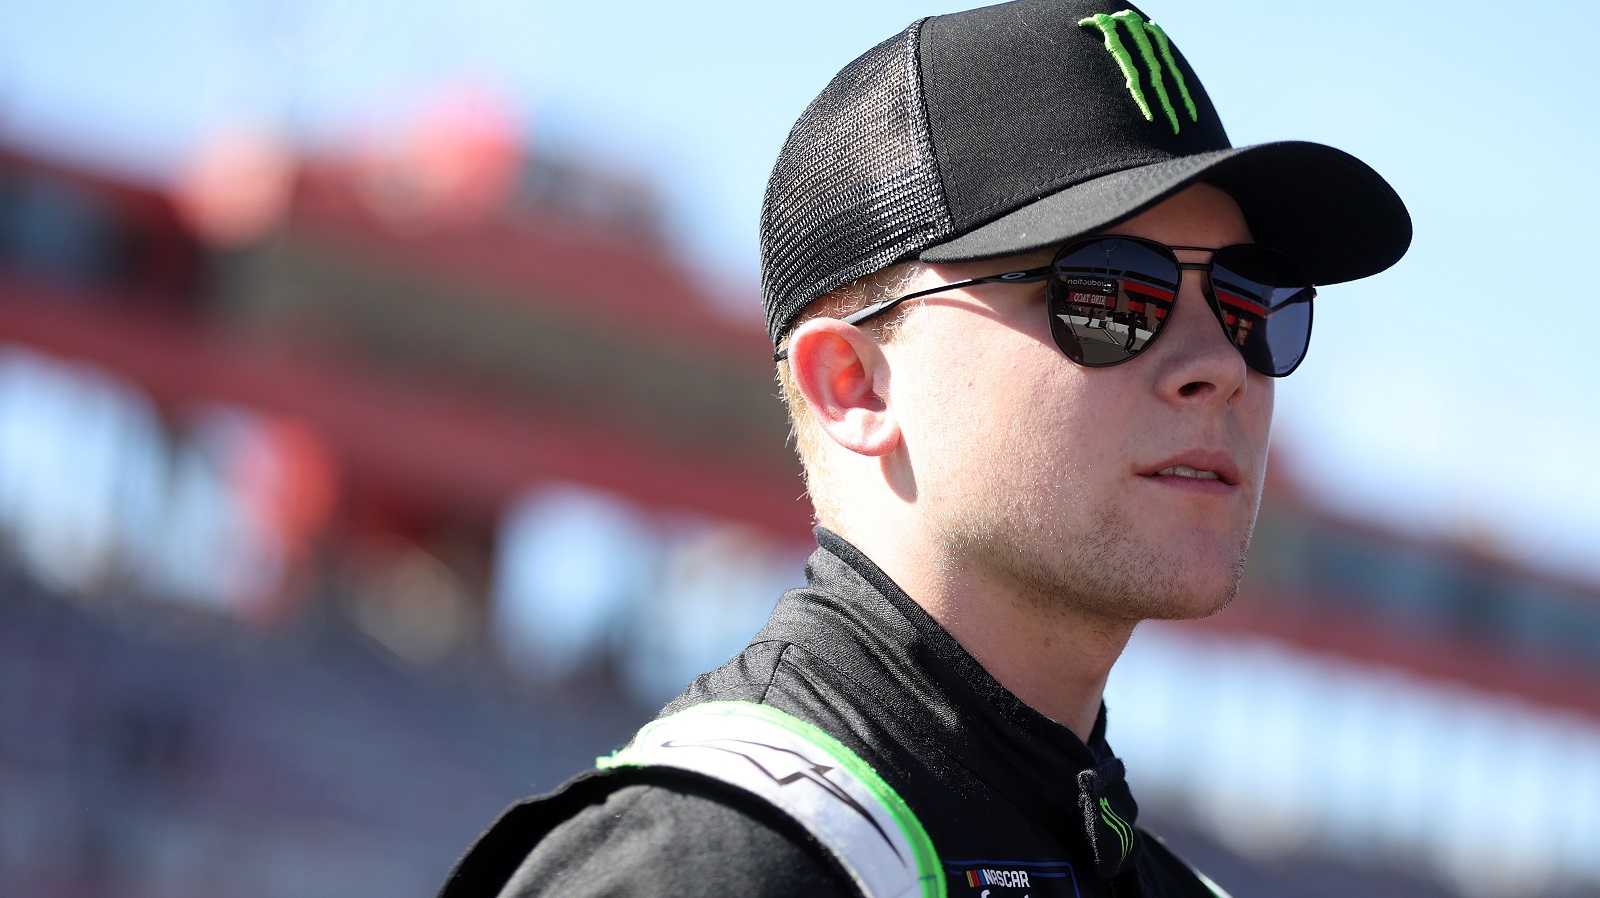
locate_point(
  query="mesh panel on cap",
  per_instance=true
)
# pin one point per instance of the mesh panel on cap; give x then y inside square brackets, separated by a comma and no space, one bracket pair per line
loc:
[855,188]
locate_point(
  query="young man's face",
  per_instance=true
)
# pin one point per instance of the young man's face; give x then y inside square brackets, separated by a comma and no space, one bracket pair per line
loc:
[1040,476]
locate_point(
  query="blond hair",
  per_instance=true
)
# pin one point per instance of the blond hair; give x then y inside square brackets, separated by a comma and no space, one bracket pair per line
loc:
[807,435]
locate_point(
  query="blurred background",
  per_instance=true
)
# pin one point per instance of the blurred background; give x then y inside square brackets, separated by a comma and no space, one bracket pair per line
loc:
[387,427]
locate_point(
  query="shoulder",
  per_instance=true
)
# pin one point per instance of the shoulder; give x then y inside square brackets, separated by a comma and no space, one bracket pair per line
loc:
[648,832]
[746,677]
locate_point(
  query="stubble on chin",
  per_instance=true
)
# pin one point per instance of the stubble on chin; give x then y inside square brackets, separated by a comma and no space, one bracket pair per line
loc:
[1099,570]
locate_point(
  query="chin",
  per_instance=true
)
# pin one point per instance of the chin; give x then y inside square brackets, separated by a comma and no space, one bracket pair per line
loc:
[1197,582]
[1109,568]
[1191,606]
[1133,586]
[1125,579]
[1202,596]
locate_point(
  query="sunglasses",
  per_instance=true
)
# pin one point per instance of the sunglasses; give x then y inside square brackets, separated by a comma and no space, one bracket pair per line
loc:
[1109,298]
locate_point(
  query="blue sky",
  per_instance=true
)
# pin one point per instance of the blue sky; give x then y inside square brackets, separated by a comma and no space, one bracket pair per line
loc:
[1452,394]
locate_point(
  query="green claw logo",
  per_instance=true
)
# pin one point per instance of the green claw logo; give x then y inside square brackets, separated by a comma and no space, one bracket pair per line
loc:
[1142,33]
[1119,826]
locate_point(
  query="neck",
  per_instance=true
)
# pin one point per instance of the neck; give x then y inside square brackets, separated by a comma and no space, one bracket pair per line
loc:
[1053,657]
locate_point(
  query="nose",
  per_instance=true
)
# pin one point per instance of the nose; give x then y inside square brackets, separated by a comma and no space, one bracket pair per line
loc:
[1196,362]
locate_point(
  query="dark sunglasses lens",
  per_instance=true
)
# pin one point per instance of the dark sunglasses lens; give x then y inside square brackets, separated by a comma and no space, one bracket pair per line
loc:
[1109,298]
[1264,302]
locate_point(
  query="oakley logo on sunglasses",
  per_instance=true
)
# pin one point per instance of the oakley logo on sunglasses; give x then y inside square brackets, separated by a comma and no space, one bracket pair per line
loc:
[1142,32]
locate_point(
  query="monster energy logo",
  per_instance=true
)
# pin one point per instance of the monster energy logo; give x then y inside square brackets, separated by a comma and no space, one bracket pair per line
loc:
[1142,32]
[1119,826]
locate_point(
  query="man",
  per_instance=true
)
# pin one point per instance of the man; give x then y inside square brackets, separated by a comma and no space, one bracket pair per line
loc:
[1029,307]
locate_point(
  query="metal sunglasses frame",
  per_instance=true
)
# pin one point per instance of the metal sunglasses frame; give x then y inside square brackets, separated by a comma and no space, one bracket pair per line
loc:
[1044,272]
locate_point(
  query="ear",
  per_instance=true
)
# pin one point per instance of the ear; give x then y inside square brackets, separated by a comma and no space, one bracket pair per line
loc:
[843,375]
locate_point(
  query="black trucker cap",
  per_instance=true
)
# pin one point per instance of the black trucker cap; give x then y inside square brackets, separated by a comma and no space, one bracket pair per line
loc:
[1015,127]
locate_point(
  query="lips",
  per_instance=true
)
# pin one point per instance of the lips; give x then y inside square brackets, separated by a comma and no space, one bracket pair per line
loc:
[1197,465]
[1186,471]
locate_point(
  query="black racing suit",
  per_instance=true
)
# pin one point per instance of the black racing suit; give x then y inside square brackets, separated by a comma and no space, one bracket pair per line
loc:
[1014,802]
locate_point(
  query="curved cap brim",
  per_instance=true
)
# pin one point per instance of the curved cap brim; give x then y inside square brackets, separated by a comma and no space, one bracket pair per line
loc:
[1327,209]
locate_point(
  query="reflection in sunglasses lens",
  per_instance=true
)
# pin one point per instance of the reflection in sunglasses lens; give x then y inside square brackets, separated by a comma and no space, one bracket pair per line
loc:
[1110,298]
[1264,303]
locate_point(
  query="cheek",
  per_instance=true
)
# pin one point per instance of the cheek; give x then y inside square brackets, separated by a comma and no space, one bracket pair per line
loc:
[1051,429]
[983,392]
[1257,421]
[984,399]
